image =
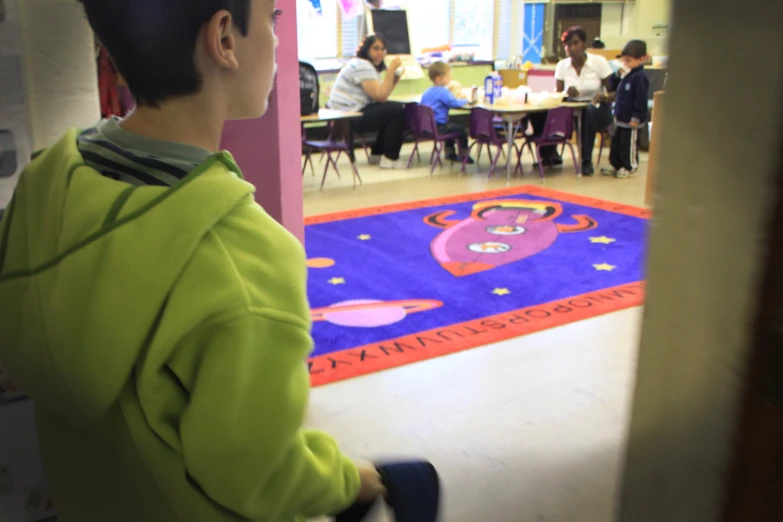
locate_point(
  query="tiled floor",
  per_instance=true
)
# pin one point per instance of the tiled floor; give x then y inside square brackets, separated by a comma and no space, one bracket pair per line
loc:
[530,429]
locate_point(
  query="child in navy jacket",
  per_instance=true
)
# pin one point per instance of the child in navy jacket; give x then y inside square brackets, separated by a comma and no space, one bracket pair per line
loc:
[630,110]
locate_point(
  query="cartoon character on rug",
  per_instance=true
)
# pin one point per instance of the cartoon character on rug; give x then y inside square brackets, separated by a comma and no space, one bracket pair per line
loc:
[498,232]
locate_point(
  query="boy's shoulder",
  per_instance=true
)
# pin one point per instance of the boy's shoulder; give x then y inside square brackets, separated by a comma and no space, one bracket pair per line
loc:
[639,78]
[435,89]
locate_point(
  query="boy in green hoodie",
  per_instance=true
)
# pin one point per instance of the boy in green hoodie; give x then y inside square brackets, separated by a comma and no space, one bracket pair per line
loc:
[155,313]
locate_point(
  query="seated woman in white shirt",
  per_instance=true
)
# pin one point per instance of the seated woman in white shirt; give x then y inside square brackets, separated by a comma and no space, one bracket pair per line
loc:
[584,77]
[359,88]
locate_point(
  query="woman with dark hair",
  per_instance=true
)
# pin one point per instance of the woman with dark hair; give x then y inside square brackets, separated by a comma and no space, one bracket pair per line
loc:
[359,88]
[584,77]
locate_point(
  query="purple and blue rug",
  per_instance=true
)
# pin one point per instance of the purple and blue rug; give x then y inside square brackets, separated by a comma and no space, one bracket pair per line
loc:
[402,283]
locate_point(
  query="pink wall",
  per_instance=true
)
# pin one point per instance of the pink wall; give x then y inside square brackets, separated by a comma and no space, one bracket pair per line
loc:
[269,150]
[541,80]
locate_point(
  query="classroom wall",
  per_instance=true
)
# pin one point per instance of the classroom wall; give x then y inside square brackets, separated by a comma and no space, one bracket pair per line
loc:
[620,23]
[708,243]
[60,71]
[612,19]
[467,75]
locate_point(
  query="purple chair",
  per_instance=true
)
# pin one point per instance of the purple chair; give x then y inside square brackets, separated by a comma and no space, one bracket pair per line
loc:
[558,129]
[411,111]
[483,132]
[328,146]
[363,141]
[605,136]
[424,128]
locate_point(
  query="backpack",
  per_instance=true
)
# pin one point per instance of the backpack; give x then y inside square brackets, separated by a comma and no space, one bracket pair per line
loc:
[308,89]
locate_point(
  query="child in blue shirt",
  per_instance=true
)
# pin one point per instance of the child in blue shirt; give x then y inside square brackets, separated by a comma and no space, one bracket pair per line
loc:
[440,99]
[630,110]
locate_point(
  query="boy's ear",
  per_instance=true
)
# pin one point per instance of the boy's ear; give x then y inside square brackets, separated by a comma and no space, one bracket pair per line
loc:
[220,40]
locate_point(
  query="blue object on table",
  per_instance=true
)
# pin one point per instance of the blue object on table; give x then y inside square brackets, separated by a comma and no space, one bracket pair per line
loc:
[413,493]
[489,89]
[316,5]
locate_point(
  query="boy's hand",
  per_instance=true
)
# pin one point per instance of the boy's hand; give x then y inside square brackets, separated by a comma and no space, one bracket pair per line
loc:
[634,124]
[573,92]
[371,485]
[599,97]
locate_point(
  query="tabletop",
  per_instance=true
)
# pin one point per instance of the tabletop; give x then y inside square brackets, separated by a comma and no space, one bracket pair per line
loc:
[501,108]
[330,115]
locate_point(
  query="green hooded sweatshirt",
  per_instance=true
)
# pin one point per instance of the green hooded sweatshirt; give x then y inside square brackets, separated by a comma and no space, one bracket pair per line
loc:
[163,334]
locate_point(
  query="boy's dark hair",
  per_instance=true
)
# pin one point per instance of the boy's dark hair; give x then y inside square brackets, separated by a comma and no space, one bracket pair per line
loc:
[364,50]
[438,69]
[635,49]
[574,31]
[598,44]
[153,42]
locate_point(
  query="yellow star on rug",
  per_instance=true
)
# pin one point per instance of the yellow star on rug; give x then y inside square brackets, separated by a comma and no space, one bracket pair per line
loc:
[337,281]
[602,240]
[604,267]
[501,291]
[365,237]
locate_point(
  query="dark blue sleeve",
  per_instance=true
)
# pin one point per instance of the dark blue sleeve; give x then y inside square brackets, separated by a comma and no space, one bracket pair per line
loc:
[641,86]
[614,81]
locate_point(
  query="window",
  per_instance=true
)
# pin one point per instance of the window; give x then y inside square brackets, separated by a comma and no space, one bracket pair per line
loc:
[432,23]
[429,23]
[316,34]
[505,48]
[350,34]
[474,25]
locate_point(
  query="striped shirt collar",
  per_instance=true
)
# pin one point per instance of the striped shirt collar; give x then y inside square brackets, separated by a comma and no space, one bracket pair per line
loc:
[111,130]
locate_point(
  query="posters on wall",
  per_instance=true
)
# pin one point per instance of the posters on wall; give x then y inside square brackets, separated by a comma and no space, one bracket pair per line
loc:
[14,126]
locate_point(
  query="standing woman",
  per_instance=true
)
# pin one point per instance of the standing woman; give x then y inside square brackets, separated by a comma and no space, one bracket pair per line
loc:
[359,88]
[585,77]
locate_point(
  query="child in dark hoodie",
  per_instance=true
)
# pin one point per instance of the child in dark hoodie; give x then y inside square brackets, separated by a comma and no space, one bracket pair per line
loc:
[630,110]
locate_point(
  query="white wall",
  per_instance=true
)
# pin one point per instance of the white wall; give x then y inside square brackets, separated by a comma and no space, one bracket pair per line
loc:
[612,21]
[620,23]
[60,71]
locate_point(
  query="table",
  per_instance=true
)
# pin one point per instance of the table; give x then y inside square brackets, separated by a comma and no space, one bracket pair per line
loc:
[416,98]
[342,129]
[330,115]
[512,114]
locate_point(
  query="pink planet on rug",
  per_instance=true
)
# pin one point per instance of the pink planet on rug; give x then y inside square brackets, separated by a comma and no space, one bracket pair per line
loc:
[371,313]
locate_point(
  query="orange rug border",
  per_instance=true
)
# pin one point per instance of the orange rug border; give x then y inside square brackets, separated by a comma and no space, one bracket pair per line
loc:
[376,357]
[532,190]
[430,344]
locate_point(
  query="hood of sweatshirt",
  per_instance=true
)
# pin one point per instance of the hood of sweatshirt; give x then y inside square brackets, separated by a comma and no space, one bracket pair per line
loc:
[86,265]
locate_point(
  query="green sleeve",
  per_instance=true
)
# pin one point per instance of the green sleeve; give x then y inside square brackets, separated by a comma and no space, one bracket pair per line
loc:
[241,433]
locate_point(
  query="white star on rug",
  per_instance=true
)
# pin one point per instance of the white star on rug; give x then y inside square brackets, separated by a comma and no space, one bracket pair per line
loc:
[602,240]
[605,267]
[337,281]
[501,291]
[365,237]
